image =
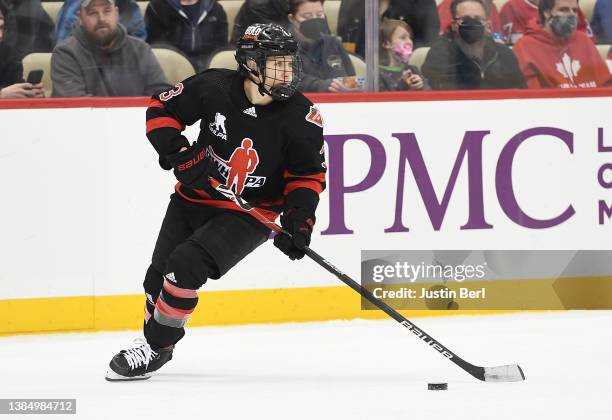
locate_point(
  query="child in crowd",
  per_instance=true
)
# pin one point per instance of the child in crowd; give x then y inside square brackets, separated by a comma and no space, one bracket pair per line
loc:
[395,51]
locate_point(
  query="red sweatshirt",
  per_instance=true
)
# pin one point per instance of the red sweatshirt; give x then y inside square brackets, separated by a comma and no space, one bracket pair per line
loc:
[445,17]
[516,15]
[549,62]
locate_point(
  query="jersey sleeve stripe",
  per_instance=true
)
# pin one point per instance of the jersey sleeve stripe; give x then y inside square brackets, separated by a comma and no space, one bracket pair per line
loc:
[161,122]
[317,177]
[155,103]
[310,184]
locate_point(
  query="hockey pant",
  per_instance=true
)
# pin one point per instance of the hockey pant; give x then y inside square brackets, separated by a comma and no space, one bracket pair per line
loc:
[196,242]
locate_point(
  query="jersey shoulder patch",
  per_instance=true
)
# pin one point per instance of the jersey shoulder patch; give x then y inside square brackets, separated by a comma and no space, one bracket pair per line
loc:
[314,116]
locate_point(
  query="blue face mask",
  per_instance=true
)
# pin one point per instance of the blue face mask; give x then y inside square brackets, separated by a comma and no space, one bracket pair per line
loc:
[563,25]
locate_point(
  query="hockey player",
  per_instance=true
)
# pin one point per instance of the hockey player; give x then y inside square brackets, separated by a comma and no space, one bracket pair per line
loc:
[258,136]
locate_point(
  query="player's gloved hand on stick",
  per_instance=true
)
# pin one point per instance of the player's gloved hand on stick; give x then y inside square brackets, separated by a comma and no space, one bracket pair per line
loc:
[298,223]
[191,166]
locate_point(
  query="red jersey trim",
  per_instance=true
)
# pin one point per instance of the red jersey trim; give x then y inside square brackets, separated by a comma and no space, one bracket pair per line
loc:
[223,204]
[311,185]
[155,103]
[317,177]
[163,122]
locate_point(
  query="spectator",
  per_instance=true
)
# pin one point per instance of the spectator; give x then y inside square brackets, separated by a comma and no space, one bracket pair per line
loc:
[195,27]
[602,21]
[326,65]
[259,11]
[395,50]
[516,15]
[446,19]
[555,55]
[129,16]
[467,57]
[420,15]
[11,70]
[28,27]
[101,59]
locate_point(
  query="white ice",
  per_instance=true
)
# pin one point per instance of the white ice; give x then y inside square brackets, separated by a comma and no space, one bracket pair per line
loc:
[333,370]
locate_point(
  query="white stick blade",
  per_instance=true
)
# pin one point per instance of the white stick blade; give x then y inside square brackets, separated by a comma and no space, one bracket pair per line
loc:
[506,373]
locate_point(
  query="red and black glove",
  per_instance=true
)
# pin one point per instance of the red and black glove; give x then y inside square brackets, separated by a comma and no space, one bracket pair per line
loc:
[299,223]
[192,167]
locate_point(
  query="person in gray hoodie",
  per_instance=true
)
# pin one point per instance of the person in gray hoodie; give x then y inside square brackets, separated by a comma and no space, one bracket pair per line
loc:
[100,59]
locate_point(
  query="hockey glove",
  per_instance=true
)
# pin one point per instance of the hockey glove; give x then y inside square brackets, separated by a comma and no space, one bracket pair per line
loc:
[298,223]
[192,167]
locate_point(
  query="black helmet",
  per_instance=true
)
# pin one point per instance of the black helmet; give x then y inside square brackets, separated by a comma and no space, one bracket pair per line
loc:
[261,41]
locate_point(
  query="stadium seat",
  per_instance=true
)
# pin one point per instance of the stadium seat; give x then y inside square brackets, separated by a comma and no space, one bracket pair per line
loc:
[359,64]
[499,4]
[588,6]
[175,66]
[231,8]
[332,9]
[143,6]
[39,61]
[603,50]
[418,57]
[223,59]
[52,8]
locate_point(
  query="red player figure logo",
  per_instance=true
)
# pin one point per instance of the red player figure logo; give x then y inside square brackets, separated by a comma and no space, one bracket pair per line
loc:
[242,163]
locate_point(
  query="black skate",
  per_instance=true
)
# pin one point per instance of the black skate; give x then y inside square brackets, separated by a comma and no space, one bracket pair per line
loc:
[138,362]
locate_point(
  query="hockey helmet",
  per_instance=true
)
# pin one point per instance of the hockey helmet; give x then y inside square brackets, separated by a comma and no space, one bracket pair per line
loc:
[261,41]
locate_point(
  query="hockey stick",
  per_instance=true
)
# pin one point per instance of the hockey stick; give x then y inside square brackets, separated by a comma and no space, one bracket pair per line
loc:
[505,373]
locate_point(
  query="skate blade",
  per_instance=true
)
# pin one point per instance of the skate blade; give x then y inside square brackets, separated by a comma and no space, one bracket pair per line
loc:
[112,376]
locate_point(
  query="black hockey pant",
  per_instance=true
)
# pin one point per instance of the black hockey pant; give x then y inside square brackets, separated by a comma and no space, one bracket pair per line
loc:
[196,242]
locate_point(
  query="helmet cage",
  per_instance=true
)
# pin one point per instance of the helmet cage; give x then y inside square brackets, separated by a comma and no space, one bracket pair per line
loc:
[259,51]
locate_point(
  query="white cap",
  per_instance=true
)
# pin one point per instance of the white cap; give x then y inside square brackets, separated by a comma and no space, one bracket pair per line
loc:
[86,3]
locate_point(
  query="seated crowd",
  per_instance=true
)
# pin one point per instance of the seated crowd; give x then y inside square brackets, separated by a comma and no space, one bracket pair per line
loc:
[106,47]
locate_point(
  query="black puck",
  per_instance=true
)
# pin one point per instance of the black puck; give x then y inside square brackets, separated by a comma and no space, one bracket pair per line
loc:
[441,386]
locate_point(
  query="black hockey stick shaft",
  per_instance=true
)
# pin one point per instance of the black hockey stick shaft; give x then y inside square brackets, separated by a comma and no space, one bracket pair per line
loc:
[476,371]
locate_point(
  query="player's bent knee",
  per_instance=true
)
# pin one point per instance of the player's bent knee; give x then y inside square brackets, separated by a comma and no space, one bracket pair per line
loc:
[189,266]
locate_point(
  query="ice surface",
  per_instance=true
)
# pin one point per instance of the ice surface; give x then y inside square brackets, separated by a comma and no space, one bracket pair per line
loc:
[334,370]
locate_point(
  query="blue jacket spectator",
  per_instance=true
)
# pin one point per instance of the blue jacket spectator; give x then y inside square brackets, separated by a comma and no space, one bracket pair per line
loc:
[129,16]
[602,21]
[196,28]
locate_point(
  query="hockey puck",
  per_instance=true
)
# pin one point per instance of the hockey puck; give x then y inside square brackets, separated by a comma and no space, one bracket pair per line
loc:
[442,386]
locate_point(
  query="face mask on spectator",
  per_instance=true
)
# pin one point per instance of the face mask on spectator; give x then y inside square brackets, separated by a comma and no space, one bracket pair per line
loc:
[471,29]
[563,25]
[403,52]
[314,28]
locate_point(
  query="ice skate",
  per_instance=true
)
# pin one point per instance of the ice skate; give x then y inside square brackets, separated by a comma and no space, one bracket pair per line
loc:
[138,362]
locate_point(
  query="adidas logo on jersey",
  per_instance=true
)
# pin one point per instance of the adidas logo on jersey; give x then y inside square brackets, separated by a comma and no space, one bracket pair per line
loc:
[170,277]
[250,111]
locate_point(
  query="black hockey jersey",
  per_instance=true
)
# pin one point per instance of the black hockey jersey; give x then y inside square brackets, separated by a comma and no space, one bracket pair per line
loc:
[270,155]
